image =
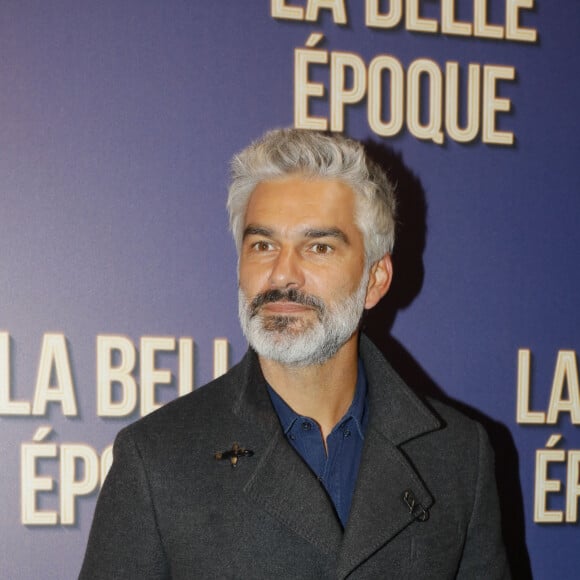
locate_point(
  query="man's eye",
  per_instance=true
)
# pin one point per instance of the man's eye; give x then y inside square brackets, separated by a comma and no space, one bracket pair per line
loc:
[261,246]
[321,249]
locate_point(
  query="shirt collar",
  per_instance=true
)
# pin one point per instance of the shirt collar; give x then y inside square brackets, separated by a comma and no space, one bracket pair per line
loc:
[357,410]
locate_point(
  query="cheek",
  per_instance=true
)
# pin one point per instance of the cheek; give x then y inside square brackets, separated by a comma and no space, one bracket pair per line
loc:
[349,276]
[251,277]
[335,285]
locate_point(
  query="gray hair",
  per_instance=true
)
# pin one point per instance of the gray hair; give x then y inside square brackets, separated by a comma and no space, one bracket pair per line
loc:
[313,155]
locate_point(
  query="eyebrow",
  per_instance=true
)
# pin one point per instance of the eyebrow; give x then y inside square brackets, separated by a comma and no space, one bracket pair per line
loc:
[310,233]
[327,233]
[253,230]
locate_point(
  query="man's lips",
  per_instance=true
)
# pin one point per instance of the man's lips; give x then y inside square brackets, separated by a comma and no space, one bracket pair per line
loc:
[290,302]
[282,307]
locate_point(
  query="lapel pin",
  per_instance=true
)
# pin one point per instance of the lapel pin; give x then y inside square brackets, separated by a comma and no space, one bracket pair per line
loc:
[415,508]
[234,454]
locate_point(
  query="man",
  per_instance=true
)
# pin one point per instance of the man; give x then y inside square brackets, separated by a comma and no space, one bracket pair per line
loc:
[311,458]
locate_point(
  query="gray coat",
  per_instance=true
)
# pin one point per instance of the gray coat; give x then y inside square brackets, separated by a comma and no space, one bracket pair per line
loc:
[425,504]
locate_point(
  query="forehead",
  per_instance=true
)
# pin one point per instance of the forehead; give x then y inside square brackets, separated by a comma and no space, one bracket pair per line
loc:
[295,201]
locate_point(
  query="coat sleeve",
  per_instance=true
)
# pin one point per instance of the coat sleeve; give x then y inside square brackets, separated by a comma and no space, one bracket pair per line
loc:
[484,555]
[124,542]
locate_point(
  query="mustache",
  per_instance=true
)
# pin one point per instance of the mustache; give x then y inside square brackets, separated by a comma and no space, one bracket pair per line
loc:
[291,295]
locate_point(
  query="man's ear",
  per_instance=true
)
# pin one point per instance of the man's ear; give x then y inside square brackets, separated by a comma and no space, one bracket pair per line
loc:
[379,280]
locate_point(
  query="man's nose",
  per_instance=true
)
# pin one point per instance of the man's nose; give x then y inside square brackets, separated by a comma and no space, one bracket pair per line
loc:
[286,270]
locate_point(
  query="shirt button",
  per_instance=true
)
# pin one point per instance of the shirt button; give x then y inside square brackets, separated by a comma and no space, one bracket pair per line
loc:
[347,432]
[306,426]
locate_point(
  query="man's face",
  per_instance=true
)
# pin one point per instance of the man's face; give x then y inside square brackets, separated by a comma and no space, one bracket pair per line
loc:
[303,281]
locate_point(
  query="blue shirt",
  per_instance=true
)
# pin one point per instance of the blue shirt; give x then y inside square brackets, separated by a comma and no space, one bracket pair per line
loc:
[338,470]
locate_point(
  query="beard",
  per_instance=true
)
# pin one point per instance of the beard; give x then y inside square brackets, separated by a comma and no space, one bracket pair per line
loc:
[301,340]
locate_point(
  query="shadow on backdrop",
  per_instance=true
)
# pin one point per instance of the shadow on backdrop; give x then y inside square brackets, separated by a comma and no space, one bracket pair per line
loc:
[411,236]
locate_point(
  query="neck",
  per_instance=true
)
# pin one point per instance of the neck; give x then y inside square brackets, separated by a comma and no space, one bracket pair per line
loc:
[322,392]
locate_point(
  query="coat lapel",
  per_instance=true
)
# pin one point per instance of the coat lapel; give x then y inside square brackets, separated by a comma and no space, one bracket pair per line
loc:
[379,510]
[283,485]
[280,482]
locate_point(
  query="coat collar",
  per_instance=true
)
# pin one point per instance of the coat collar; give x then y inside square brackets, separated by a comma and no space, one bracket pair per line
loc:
[396,412]
[386,477]
[284,486]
